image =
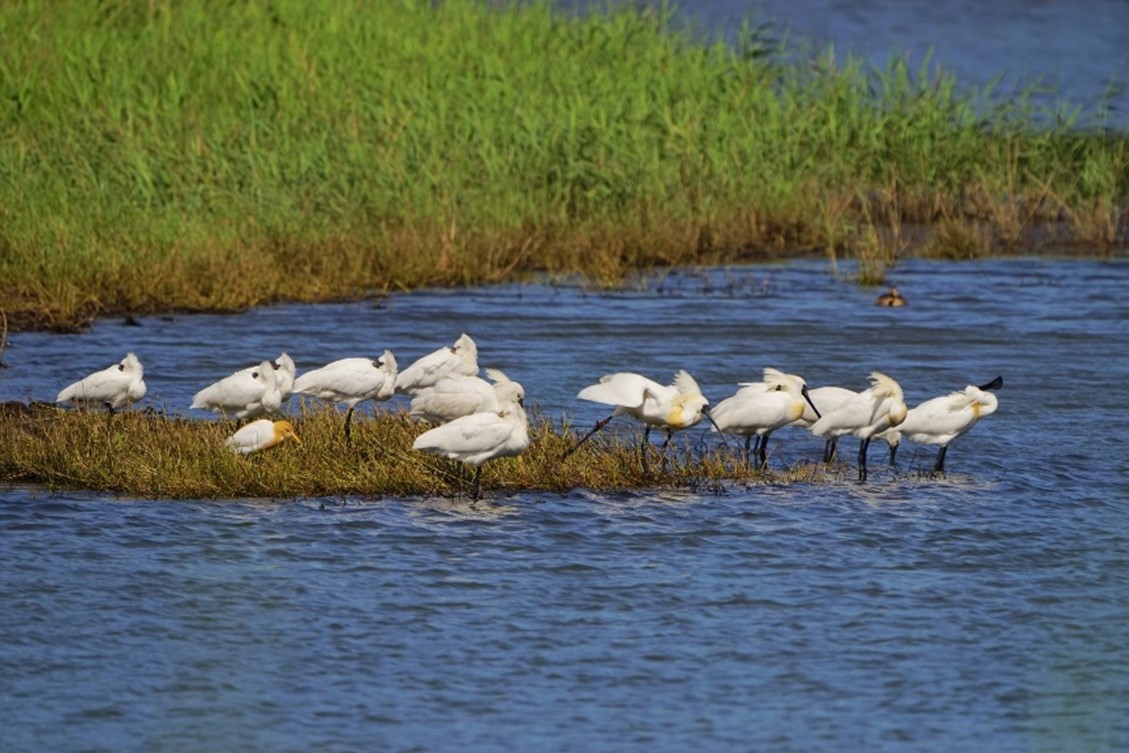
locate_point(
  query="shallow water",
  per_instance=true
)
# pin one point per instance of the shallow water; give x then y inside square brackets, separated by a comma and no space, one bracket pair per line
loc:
[984,610]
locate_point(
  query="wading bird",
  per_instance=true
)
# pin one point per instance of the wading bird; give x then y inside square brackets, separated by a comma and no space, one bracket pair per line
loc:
[245,394]
[261,434]
[941,420]
[826,399]
[867,414]
[456,395]
[479,437]
[284,372]
[113,388]
[760,408]
[669,407]
[351,381]
[460,358]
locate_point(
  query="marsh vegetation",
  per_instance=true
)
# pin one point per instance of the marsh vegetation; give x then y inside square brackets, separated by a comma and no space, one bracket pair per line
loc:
[150,455]
[197,156]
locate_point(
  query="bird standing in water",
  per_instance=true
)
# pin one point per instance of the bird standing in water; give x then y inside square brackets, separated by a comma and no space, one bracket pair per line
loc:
[867,414]
[941,420]
[760,408]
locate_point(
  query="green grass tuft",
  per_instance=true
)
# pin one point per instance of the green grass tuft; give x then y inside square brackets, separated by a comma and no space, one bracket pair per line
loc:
[212,156]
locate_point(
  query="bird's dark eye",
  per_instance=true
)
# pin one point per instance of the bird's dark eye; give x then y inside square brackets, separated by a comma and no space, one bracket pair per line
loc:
[121,367]
[377,364]
[276,365]
[254,375]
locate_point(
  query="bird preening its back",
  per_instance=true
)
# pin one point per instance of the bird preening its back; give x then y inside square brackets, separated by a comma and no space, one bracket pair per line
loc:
[113,388]
[678,405]
[457,395]
[247,393]
[672,407]
[942,419]
[460,358]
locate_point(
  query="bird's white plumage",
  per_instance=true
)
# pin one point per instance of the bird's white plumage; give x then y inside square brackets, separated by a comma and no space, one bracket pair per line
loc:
[460,358]
[285,372]
[759,408]
[245,394]
[114,387]
[867,413]
[479,437]
[260,435]
[826,399]
[457,395]
[942,419]
[350,381]
[676,406]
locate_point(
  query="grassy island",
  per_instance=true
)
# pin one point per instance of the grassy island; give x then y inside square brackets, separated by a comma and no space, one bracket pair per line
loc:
[194,155]
[150,455]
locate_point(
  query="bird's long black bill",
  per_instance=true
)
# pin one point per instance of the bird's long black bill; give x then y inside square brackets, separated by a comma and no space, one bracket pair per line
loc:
[599,425]
[804,392]
[720,433]
[995,384]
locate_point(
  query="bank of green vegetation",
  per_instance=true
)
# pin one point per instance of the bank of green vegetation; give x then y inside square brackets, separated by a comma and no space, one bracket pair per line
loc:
[150,455]
[199,155]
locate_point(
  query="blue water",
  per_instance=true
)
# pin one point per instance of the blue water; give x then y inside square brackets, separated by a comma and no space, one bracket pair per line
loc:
[985,610]
[1070,53]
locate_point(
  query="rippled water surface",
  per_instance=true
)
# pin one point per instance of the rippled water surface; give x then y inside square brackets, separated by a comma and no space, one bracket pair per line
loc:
[985,610]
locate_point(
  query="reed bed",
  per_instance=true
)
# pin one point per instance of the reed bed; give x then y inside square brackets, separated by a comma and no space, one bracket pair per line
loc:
[150,455]
[212,156]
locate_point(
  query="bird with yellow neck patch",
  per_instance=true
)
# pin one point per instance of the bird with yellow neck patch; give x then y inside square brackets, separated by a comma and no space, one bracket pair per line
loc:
[865,415]
[670,407]
[261,435]
[941,420]
[760,408]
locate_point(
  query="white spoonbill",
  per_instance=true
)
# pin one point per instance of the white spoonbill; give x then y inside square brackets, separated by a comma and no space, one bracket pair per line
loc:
[114,387]
[941,420]
[760,408]
[351,381]
[479,437]
[456,395]
[460,358]
[670,407]
[826,399]
[867,414]
[245,394]
[261,434]
[284,372]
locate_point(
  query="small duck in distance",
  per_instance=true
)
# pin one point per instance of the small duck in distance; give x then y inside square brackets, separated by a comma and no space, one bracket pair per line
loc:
[892,298]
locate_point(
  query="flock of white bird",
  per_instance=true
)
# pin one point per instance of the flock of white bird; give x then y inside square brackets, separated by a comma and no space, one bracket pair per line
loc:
[475,420]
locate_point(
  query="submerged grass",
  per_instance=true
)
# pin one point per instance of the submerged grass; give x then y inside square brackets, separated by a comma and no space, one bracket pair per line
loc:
[198,155]
[150,455]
